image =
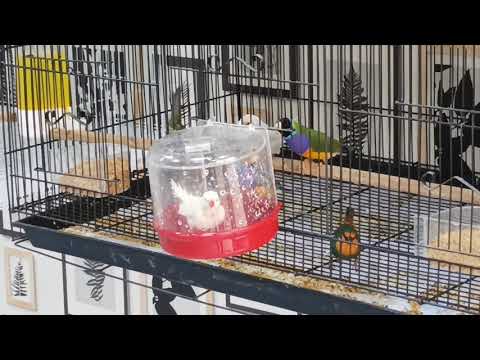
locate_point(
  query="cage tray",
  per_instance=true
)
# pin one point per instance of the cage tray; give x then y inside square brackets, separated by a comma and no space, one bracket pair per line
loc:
[156,262]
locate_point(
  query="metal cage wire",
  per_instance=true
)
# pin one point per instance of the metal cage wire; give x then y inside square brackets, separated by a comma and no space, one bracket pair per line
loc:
[418,112]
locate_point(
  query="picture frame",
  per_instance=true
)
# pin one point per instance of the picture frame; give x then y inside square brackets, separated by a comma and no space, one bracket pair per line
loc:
[171,304]
[197,68]
[271,69]
[138,293]
[7,77]
[20,284]
[94,295]
[146,301]
[108,101]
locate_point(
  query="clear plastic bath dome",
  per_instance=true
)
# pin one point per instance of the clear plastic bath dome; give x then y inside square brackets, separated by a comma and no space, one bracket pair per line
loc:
[213,190]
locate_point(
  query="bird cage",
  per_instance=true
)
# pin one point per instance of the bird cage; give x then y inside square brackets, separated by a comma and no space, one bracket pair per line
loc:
[350,127]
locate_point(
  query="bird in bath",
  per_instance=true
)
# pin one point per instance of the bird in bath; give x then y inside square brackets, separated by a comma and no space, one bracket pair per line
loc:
[201,212]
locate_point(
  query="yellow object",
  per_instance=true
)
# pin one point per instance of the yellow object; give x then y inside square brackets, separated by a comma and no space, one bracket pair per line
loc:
[349,246]
[320,156]
[43,83]
[347,250]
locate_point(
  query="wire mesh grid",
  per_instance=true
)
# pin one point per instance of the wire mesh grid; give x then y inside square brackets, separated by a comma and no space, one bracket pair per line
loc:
[388,262]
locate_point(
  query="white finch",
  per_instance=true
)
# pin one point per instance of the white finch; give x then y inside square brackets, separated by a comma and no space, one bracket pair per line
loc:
[202,212]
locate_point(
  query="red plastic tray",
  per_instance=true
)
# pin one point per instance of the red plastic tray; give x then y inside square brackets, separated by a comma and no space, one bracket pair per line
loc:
[220,244]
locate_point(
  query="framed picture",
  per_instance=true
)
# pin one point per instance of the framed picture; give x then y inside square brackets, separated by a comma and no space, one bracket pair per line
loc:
[138,293]
[7,77]
[105,100]
[20,279]
[192,71]
[276,65]
[147,301]
[91,292]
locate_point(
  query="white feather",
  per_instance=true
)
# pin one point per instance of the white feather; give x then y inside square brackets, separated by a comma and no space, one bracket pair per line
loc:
[197,209]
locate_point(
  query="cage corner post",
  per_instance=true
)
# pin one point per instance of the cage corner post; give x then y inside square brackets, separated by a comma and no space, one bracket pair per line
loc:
[138,98]
[397,100]
[423,79]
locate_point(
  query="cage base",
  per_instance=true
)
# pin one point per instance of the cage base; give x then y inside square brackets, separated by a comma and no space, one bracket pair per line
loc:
[156,263]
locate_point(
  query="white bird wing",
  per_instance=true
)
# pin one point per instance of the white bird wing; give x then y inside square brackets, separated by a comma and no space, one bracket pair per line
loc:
[178,190]
[191,206]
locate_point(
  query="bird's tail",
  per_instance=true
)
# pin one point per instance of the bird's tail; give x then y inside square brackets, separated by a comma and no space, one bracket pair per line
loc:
[177,190]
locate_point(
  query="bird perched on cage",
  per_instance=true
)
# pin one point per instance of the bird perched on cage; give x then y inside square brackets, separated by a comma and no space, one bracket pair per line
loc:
[308,143]
[201,212]
[274,135]
[346,241]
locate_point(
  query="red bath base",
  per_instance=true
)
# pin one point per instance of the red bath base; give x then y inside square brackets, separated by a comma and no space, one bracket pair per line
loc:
[221,244]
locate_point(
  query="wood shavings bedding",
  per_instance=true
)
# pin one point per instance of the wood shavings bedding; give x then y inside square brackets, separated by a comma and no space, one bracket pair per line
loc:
[83,231]
[116,171]
[324,286]
[466,241]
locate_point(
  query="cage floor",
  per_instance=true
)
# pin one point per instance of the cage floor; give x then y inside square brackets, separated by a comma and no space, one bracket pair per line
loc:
[312,209]
[385,222]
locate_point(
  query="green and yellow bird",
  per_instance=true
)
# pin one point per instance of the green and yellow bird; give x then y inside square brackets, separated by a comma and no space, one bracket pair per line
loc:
[346,241]
[310,143]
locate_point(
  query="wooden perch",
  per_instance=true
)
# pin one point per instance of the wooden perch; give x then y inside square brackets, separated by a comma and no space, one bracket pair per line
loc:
[360,177]
[100,137]
[110,177]
[8,116]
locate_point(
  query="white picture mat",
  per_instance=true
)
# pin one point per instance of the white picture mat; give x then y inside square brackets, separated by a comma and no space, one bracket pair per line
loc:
[11,259]
[77,290]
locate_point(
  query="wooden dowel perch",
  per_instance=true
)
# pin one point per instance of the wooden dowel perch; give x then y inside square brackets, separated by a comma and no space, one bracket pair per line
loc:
[359,177]
[382,181]
[100,137]
[8,116]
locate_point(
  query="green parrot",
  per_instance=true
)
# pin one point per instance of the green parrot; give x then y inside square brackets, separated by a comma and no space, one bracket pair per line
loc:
[312,144]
